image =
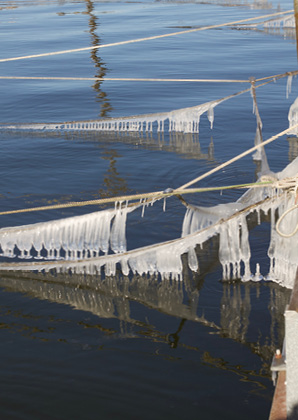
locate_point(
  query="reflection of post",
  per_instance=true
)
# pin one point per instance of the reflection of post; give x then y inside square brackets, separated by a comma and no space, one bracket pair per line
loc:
[101,96]
[296,21]
[114,184]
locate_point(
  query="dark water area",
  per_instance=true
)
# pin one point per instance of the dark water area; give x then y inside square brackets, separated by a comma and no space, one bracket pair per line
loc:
[81,346]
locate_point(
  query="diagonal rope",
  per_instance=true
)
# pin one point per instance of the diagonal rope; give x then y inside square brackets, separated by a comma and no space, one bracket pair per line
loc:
[145,39]
[240,156]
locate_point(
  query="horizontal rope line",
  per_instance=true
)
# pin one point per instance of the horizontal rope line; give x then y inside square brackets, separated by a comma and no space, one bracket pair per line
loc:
[124,79]
[154,195]
[145,39]
[148,79]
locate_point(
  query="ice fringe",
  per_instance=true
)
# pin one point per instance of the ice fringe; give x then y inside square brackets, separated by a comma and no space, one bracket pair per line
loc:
[184,120]
[70,238]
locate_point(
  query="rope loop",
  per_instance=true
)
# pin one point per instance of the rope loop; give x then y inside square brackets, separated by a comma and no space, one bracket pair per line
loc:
[286,235]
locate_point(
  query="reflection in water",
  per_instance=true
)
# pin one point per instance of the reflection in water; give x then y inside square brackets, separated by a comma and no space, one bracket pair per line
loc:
[101,69]
[236,310]
[114,184]
[116,298]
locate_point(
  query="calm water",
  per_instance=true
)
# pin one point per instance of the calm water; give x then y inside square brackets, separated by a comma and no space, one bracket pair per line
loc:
[85,348]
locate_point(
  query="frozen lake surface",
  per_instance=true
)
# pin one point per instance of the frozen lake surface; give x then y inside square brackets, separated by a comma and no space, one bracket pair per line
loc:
[84,347]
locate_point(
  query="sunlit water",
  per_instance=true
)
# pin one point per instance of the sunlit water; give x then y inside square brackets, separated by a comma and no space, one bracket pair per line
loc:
[84,348]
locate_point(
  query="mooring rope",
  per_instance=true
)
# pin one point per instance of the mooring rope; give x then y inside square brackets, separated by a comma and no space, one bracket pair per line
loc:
[93,47]
[286,235]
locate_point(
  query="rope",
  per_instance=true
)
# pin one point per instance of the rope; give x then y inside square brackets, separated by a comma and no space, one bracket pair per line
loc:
[150,79]
[286,235]
[278,76]
[153,195]
[241,155]
[145,39]
[292,185]
[122,79]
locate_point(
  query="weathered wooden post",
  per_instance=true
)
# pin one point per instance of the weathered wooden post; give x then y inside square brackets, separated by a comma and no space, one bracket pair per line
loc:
[296,21]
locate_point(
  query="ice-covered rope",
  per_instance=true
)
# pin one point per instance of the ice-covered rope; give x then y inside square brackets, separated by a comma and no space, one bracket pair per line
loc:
[220,25]
[131,259]
[184,120]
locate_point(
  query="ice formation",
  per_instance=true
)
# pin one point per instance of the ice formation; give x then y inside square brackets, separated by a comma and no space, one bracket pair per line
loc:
[77,241]
[293,117]
[258,137]
[184,120]
[281,22]
[69,238]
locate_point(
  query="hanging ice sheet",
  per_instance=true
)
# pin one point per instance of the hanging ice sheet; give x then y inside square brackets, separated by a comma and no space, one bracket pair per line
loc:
[69,238]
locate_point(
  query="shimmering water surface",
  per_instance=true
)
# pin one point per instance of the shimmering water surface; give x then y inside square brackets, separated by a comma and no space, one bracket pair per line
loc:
[83,347]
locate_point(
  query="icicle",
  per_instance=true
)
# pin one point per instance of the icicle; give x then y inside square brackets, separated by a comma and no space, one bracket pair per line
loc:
[258,276]
[289,85]
[293,117]
[193,260]
[211,116]
[118,239]
[234,248]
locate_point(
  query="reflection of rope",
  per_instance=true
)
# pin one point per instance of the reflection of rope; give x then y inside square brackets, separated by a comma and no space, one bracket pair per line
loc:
[145,39]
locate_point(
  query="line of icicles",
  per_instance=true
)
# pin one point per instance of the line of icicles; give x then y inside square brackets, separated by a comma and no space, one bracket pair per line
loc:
[70,238]
[184,120]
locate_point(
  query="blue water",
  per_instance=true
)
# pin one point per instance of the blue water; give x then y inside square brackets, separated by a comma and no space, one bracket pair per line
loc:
[85,348]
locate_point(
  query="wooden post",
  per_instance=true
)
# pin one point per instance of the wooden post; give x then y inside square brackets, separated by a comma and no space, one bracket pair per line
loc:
[296,21]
